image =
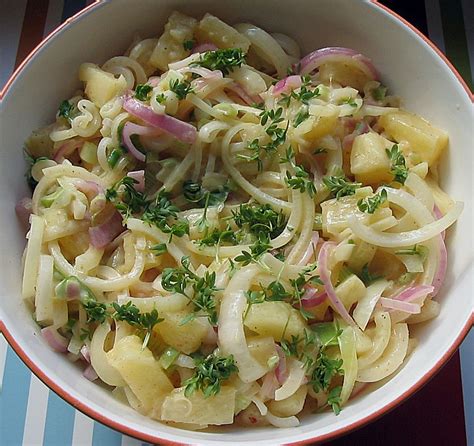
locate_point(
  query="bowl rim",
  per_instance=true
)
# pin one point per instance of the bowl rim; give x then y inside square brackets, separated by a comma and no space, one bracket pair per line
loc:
[127,430]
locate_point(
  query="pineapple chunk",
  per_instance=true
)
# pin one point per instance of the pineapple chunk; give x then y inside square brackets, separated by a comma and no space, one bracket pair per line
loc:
[262,349]
[270,319]
[186,338]
[39,143]
[335,214]
[426,143]
[350,291]
[213,30]
[101,86]
[291,405]
[170,47]
[217,409]
[369,161]
[320,123]
[141,371]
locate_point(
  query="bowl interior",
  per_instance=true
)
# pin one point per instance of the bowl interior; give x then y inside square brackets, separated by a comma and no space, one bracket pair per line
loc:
[409,67]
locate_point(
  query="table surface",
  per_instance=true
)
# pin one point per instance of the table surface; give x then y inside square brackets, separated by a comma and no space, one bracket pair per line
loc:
[442,413]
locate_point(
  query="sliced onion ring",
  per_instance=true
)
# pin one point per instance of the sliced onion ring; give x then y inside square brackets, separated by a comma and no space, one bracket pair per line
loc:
[181,130]
[314,60]
[325,274]
[394,304]
[408,238]
[56,341]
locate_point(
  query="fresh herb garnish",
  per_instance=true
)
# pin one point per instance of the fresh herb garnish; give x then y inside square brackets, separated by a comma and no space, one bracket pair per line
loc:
[189,44]
[260,247]
[224,60]
[417,250]
[209,374]
[159,212]
[340,186]
[204,288]
[217,237]
[304,94]
[370,204]
[366,276]
[302,116]
[131,314]
[379,93]
[181,89]
[259,219]
[397,164]
[142,91]
[96,311]
[159,249]
[300,180]
[66,110]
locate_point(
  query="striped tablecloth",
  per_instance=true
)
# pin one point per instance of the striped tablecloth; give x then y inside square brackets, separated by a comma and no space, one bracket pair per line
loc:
[442,413]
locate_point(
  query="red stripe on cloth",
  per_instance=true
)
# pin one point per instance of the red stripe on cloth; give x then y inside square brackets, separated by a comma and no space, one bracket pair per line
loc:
[32,29]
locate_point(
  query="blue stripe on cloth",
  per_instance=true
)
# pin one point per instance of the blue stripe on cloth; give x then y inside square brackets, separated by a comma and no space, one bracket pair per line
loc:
[105,436]
[59,422]
[71,7]
[14,400]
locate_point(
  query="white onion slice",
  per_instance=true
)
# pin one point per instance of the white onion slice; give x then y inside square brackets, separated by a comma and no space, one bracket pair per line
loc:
[231,330]
[292,383]
[365,307]
[408,238]
[282,421]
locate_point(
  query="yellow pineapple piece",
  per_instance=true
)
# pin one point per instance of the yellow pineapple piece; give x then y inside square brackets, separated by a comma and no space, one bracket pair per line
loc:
[425,142]
[211,29]
[101,86]
[170,47]
[186,338]
[270,319]
[369,161]
[141,371]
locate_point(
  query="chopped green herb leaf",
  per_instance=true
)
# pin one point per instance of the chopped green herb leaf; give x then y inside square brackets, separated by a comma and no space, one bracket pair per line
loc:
[189,44]
[370,204]
[398,165]
[181,89]
[224,59]
[339,186]
[142,91]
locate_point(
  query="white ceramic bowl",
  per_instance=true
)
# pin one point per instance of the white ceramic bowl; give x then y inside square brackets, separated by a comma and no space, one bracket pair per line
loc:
[410,66]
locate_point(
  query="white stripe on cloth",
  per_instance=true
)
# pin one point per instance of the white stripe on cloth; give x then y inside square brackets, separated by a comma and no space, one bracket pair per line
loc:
[35,413]
[53,17]
[83,430]
[435,26]
[3,358]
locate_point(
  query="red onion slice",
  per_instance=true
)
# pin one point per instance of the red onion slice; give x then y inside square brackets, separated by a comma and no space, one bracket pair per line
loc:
[24,209]
[281,371]
[86,353]
[138,175]
[311,249]
[438,214]
[400,305]
[102,235]
[312,298]
[89,373]
[413,293]
[181,130]
[130,129]
[204,48]
[242,94]
[89,188]
[67,149]
[325,275]
[314,60]
[269,385]
[56,341]
[360,128]
[285,85]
